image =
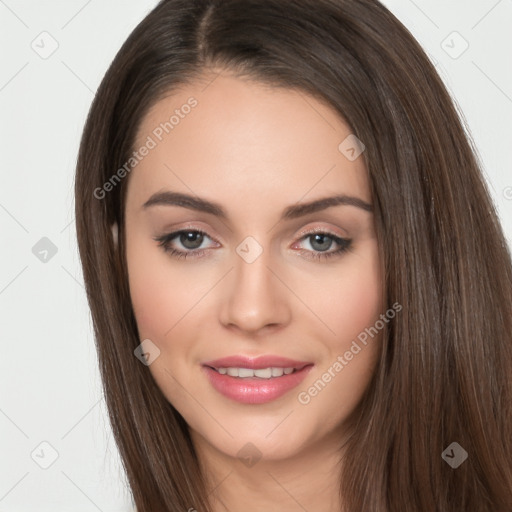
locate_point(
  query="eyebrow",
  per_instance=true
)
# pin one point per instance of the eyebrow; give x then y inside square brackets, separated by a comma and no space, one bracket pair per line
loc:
[168,198]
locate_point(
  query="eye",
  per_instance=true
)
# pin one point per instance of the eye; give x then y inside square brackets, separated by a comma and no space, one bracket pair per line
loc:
[321,241]
[192,239]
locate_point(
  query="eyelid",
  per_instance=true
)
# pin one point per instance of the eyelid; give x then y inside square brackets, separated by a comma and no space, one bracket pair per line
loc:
[189,227]
[322,229]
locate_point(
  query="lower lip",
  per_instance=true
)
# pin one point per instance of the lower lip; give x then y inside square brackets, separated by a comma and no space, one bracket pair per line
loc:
[253,390]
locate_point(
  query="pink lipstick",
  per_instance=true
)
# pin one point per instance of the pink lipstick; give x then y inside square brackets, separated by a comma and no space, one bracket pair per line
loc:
[255,380]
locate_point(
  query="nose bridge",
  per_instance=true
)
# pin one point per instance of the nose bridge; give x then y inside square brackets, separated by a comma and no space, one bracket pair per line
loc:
[255,298]
[251,267]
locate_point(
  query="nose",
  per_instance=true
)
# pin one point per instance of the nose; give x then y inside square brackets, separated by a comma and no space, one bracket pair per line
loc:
[255,300]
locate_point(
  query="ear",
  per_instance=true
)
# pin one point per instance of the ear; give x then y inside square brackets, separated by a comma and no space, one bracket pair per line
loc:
[115,233]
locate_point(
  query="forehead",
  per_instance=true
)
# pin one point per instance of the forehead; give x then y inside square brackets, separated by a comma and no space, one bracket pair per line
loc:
[232,140]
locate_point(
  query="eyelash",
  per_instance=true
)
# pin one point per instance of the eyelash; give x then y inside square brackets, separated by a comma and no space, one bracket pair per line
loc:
[165,240]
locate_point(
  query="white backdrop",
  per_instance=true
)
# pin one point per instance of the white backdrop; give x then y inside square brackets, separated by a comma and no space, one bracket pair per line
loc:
[56,446]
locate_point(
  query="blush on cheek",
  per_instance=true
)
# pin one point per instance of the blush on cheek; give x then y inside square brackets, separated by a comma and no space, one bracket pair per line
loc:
[149,290]
[349,311]
[153,311]
[163,298]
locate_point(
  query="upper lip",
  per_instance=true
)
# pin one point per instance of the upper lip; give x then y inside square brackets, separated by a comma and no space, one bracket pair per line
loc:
[256,363]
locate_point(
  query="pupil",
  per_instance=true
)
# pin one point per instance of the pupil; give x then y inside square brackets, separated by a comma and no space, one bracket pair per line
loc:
[325,245]
[187,239]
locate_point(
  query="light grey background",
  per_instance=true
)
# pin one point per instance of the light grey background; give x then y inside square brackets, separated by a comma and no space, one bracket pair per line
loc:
[50,388]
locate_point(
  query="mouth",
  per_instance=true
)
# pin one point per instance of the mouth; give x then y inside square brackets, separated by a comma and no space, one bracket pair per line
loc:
[255,380]
[261,373]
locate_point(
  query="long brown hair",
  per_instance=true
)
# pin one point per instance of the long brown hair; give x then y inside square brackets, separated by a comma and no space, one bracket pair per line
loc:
[445,373]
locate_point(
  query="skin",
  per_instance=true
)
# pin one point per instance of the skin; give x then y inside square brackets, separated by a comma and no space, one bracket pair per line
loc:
[255,150]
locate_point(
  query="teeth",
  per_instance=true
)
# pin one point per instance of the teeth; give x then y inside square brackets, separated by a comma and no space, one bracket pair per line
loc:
[263,373]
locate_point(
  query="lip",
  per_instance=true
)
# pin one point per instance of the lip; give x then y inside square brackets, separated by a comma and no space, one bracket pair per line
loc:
[254,390]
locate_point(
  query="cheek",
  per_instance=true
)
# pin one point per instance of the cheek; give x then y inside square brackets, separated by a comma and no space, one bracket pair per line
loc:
[353,301]
[351,305]
[161,291]
[153,307]
[158,295]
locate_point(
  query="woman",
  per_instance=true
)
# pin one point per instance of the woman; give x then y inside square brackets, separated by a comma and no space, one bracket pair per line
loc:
[300,289]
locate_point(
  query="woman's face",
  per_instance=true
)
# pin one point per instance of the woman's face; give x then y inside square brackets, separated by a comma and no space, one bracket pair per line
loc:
[258,283]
